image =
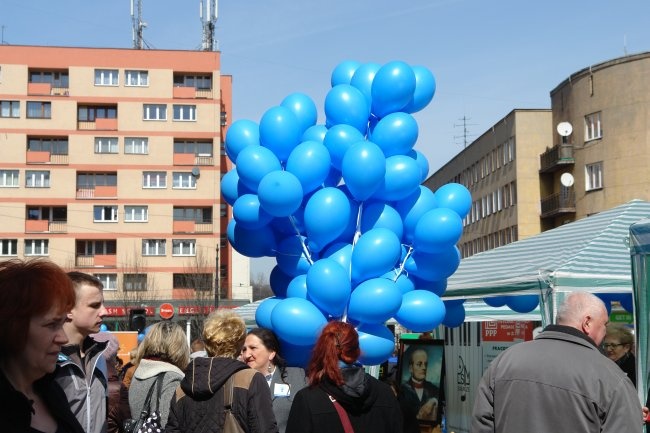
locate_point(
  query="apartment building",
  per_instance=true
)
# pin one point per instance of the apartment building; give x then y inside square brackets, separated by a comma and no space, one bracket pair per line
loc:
[110,164]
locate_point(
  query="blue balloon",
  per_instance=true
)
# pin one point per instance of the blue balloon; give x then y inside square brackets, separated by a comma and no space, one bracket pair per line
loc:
[374,301]
[346,104]
[425,88]
[333,178]
[421,311]
[341,253]
[434,266]
[402,281]
[338,140]
[310,163]
[253,163]
[376,342]
[422,162]
[280,193]
[413,207]
[437,230]
[290,256]
[303,107]
[263,312]
[381,215]
[362,79]
[315,133]
[296,355]
[326,216]
[402,178]
[298,321]
[496,301]
[298,287]
[392,88]
[328,286]
[103,328]
[455,197]
[248,213]
[240,134]
[251,242]
[363,168]
[523,303]
[375,253]
[455,313]
[279,282]
[395,134]
[438,287]
[280,131]
[140,338]
[343,72]
[231,188]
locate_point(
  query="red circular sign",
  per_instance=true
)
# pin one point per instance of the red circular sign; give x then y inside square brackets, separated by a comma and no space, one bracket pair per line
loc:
[166,311]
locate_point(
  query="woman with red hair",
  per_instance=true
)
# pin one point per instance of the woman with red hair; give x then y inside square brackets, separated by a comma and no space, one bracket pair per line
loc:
[341,397]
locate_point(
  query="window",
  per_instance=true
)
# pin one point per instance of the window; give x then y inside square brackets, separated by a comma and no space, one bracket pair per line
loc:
[198,148]
[91,248]
[39,110]
[8,247]
[105,214]
[48,213]
[135,282]
[201,282]
[153,247]
[198,215]
[184,181]
[183,247]
[185,112]
[136,214]
[8,178]
[154,112]
[106,77]
[10,109]
[199,82]
[154,179]
[106,145]
[109,281]
[36,247]
[91,180]
[136,145]
[223,210]
[54,145]
[88,113]
[594,176]
[37,179]
[136,78]
[55,78]
[593,128]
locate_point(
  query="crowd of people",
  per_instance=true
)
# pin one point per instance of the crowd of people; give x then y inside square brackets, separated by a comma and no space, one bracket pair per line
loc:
[60,374]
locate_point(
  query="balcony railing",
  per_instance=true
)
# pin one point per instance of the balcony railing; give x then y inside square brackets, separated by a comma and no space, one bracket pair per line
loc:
[99,191]
[191,227]
[192,159]
[556,157]
[45,226]
[96,261]
[45,157]
[559,203]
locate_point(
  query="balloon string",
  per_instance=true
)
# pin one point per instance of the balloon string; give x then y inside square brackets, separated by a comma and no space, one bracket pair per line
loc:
[305,250]
[403,264]
[357,235]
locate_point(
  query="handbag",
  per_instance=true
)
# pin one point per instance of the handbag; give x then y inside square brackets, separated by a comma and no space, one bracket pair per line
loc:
[343,415]
[149,420]
[230,423]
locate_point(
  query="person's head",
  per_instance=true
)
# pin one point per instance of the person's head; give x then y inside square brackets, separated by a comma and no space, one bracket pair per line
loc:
[261,350]
[35,296]
[88,312]
[165,341]
[338,341]
[618,341]
[418,362]
[223,334]
[586,313]
[197,345]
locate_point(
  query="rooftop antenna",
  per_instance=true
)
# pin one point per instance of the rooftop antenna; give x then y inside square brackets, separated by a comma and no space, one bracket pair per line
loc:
[208,14]
[466,134]
[138,26]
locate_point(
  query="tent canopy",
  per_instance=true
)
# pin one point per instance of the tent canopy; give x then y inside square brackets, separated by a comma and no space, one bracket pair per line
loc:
[588,254]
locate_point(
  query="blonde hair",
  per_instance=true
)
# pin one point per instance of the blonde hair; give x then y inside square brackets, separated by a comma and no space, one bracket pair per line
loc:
[224,333]
[622,333]
[167,342]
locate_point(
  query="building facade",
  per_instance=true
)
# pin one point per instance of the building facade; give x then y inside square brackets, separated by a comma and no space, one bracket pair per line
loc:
[111,161]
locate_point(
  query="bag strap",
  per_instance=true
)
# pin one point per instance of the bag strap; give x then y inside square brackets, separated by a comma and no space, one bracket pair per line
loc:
[343,415]
[227,393]
[158,386]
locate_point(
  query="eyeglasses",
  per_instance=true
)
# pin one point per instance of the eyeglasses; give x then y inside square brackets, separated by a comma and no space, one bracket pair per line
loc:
[612,345]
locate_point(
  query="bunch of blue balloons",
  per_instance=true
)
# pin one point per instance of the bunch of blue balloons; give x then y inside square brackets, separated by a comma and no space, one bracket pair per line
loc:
[341,207]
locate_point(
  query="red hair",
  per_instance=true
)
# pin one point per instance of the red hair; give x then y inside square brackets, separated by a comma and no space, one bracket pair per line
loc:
[27,289]
[337,341]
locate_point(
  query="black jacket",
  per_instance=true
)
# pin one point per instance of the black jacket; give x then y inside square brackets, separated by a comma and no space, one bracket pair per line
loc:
[16,410]
[199,408]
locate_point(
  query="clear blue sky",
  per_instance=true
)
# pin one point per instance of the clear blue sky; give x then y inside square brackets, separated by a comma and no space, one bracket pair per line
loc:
[488,57]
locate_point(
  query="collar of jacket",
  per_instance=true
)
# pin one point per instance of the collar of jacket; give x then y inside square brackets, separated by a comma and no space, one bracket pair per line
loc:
[572,331]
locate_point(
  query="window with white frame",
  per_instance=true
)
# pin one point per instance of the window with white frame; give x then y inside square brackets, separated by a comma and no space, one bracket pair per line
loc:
[9,178]
[184,247]
[154,179]
[593,127]
[106,77]
[10,109]
[109,281]
[36,247]
[136,214]
[136,78]
[153,247]
[37,179]
[39,110]
[106,145]
[135,282]
[8,247]
[136,145]
[105,214]
[185,112]
[183,180]
[594,176]
[154,112]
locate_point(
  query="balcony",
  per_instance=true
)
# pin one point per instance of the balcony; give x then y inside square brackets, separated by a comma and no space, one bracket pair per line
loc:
[192,159]
[563,202]
[45,226]
[100,124]
[96,261]
[47,89]
[182,92]
[99,191]
[191,227]
[45,157]
[556,158]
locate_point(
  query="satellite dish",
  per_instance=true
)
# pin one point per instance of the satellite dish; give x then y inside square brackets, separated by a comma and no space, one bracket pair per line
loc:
[564,129]
[196,172]
[566,179]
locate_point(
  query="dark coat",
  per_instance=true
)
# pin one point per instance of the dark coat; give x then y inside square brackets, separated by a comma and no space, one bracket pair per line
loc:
[199,407]
[370,404]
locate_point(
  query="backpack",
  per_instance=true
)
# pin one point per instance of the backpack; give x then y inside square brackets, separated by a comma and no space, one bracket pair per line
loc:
[149,420]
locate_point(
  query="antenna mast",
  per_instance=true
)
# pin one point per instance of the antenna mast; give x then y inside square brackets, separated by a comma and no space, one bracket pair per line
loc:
[138,26]
[466,135]
[208,13]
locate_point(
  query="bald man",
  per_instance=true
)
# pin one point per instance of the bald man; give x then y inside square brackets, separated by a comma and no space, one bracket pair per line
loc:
[559,382]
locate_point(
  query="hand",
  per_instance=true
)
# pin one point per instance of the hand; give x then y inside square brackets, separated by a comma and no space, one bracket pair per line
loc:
[429,410]
[646,414]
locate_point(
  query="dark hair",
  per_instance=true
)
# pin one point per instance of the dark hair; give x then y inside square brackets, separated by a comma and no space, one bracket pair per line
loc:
[27,289]
[337,341]
[271,342]
[79,278]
